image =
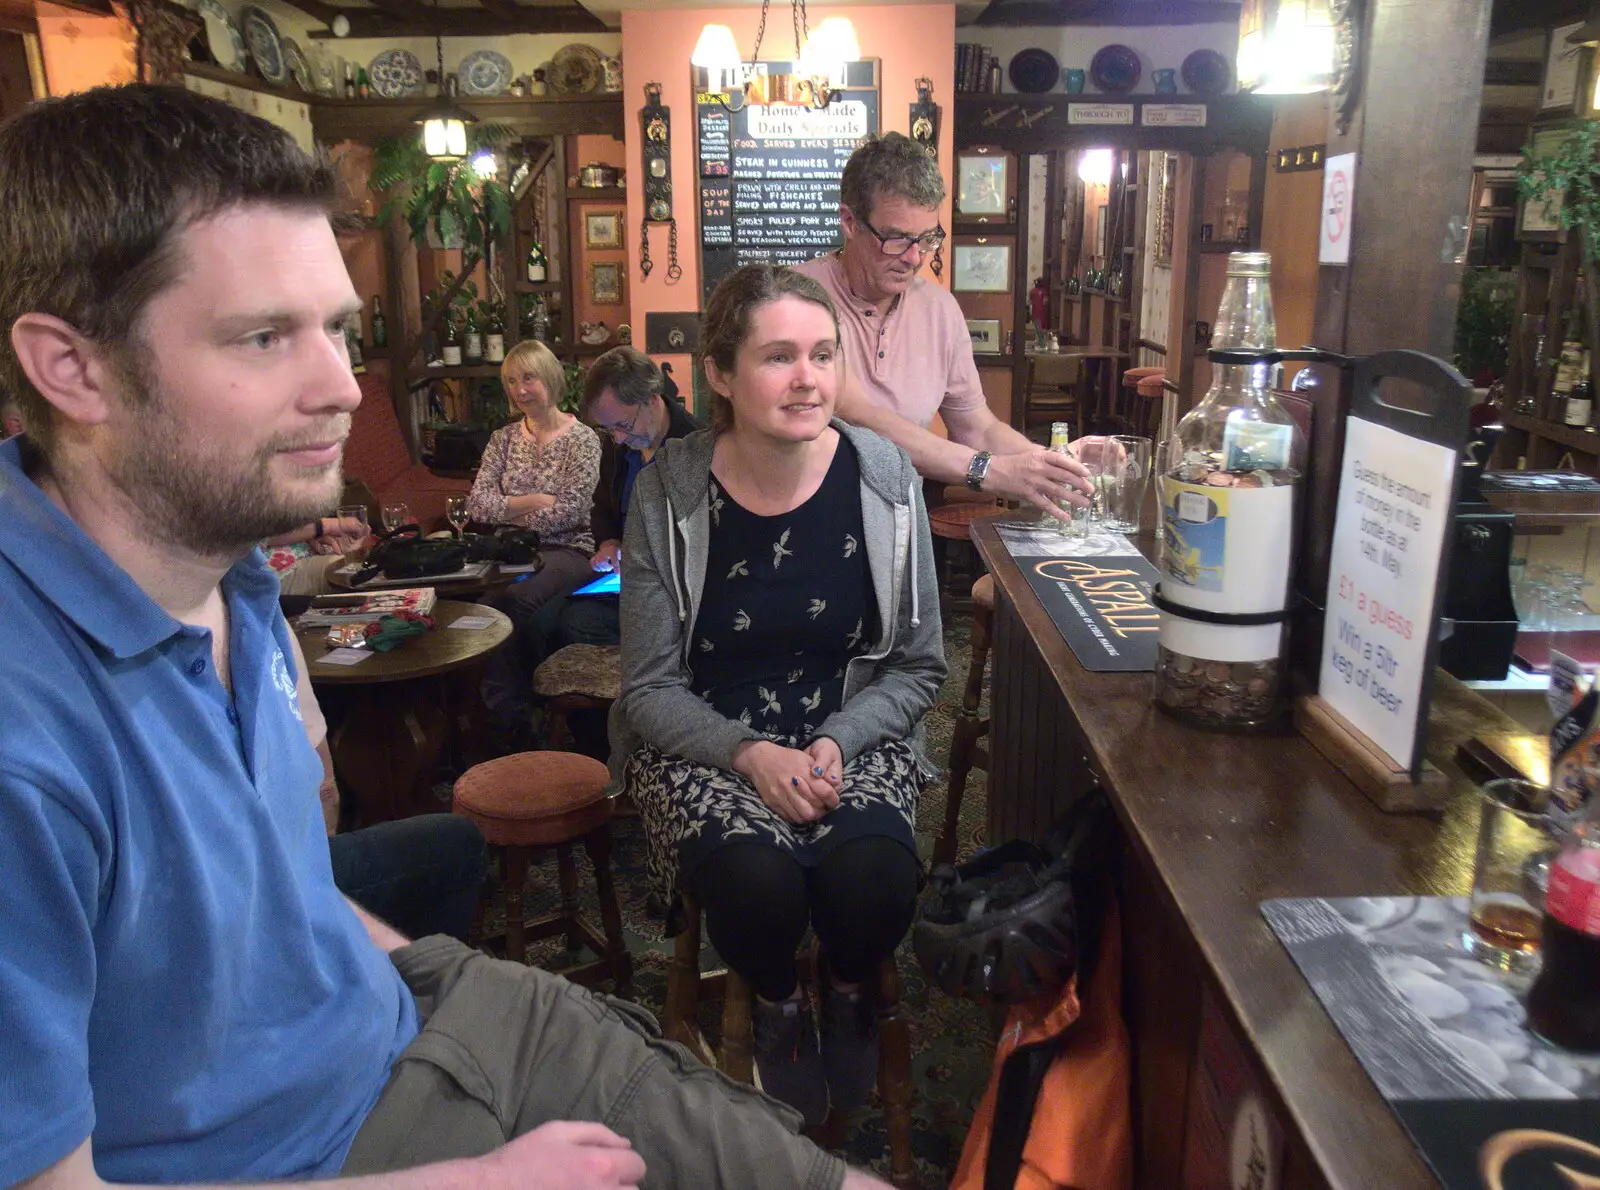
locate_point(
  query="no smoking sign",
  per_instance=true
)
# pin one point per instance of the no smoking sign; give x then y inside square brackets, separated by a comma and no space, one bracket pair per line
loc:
[1338,200]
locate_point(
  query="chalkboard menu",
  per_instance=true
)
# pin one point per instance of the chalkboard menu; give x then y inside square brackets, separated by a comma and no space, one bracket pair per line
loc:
[769,175]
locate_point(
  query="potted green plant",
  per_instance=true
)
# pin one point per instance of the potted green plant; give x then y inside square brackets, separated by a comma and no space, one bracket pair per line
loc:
[1483,324]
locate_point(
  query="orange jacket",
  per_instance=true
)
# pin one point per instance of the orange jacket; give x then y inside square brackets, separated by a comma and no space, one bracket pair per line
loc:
[1081,1135]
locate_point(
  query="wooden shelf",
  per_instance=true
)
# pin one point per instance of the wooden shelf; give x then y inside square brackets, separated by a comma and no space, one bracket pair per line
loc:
[1572,437]
[250,82]
[1104,296]
[994,361]
[612,192]
[538,286]
[367,120]
[374,352]
[460,371]
[1222,247]
[969,227]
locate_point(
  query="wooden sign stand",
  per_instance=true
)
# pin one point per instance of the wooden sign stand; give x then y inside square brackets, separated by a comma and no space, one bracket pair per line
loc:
[1410,784]
[1373,772]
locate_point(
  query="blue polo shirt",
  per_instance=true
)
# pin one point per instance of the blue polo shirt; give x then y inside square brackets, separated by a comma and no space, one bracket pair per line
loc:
[179,978]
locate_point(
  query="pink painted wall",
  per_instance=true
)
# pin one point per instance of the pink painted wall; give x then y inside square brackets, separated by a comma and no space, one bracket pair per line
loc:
[81,50]
[909,41]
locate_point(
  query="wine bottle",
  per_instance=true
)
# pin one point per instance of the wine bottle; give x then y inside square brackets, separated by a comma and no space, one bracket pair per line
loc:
[452,344]
[380,325]
[363,88]
[1570,358]
[494,337]
[472,348]
[352,342]
[1580,402]
[536,263]
[349,81]
[540,328]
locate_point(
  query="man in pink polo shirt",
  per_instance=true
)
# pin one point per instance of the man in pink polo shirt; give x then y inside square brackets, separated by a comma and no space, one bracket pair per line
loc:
[906,348]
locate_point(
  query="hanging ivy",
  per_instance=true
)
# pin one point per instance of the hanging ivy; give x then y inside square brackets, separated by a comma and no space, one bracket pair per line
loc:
[1564,182]
[448,198]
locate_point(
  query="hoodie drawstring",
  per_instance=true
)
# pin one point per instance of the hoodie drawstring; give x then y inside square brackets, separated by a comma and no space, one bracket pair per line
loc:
[911,575]
[672,556]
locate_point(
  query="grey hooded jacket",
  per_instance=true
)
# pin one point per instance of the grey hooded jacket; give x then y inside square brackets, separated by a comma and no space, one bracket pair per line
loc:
[887,690]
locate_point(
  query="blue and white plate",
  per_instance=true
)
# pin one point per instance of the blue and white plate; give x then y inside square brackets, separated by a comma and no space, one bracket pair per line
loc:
[299,65]
[484,72]
[223,38]
[261,35]
[395,74]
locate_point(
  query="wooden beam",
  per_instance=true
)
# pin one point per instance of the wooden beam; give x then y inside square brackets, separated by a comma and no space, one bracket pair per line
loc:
[1513,16]
[469,22]
[369,120]
[1512,73]
[317,9]
[1108,12]
[404,10]
[506,10]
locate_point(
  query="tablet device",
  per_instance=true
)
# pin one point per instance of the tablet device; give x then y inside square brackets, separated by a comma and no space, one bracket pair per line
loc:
[606,584]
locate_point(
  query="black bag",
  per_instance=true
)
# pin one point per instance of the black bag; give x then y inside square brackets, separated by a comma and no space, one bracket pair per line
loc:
[404,553]
[508,545]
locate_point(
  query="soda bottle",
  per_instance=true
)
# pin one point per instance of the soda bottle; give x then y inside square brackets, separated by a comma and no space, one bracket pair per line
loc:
[1564,1002]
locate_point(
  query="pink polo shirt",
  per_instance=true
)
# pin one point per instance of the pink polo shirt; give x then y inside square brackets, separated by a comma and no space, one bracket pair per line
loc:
[915,360]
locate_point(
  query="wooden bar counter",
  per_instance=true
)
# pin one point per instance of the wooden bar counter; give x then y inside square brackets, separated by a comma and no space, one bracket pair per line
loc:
[1213,825]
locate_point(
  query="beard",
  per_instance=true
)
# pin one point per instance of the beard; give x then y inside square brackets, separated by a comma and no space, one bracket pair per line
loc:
[201,494]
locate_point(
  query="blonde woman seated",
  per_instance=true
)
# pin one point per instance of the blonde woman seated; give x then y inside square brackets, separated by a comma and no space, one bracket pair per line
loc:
[539,473]
[780,646]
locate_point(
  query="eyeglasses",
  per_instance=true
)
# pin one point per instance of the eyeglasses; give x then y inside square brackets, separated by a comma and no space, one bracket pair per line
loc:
[624,428]
[900,244]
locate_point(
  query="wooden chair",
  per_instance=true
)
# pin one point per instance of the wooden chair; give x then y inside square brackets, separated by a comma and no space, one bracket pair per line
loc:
[577,677]
[1052,392]
[968,743]
[534,801]
[686,986]
[953,523]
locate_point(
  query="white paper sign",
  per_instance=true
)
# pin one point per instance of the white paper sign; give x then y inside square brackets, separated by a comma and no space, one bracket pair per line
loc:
[471,622]
[1099,113]
[1173,115]
[1338,203]
[1561,68]
[1394,498]
[344,657]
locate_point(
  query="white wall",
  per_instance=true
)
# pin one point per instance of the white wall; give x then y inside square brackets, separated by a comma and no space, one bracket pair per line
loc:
[1158,46]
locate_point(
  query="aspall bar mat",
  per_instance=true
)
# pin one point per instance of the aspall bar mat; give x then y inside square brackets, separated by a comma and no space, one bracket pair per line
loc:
[1490,1106]
[1097,590]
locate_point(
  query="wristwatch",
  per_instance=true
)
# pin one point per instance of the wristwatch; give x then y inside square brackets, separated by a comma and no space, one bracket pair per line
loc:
[978,470]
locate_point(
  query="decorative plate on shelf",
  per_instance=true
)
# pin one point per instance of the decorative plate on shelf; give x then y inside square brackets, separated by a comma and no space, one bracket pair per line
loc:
[266,47]
[223,38]
[1034,72]
[299,65]
[1206,72]
[394,74]
[575,70]
[484,72]
[1116,68]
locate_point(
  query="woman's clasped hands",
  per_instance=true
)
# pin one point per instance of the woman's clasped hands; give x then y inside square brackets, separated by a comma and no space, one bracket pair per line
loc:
[798,785]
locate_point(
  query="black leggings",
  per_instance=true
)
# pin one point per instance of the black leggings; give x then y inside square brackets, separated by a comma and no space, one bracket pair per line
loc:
[758,900]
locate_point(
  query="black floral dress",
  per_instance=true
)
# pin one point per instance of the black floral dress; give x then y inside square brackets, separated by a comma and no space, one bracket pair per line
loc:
[788,601]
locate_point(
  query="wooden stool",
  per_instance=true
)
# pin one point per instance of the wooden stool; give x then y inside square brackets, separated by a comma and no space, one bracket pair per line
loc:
[577,677]
[953,522]
[1152,390]
[967,747]
[686,985]
[536,800]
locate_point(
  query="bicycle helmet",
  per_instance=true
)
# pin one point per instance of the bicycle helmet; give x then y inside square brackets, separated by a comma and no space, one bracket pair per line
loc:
[1005,927]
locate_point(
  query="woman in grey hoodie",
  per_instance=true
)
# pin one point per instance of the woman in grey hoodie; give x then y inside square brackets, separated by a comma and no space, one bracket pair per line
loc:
[780,647]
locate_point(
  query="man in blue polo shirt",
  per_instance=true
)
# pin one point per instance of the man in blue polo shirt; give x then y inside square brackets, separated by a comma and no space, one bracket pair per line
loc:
[185,996]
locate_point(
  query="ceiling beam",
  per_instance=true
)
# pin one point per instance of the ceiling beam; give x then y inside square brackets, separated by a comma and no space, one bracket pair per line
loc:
[403,10]
[468,22]
[506,10]
[1512,16]
[1512,73]
[1108,12]
[315,8]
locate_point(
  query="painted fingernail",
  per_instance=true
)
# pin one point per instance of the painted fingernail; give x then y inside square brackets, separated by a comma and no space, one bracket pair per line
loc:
[816,772]
[795,781]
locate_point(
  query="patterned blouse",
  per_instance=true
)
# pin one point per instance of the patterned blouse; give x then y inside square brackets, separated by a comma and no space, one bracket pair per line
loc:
[514,464]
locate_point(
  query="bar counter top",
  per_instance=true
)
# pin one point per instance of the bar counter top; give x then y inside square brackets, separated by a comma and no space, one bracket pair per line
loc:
[1228,821]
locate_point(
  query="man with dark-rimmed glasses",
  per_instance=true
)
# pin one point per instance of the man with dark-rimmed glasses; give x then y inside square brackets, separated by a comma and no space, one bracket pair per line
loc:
[907,351]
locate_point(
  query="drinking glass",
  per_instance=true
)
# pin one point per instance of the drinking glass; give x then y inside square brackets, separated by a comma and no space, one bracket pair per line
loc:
[1125,496]
[1102,460]
[395,515]
[455,511]
[1516,842]
[358,514]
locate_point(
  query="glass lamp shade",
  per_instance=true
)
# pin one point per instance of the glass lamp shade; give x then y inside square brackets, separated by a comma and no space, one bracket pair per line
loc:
[828,49]
[1094,167]
[444,138]
[1286,47]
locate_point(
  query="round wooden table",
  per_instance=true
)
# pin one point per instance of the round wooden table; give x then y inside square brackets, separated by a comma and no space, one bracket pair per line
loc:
[394,714]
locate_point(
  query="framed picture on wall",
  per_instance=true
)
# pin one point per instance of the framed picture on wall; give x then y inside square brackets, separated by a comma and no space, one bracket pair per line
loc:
[985,334]
[1563,64]
[981,184]
[982,268]
[605,283]
[1166,197]
[602,229]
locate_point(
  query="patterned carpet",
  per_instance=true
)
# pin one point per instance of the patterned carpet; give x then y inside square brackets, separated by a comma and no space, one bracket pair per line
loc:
[951,1040]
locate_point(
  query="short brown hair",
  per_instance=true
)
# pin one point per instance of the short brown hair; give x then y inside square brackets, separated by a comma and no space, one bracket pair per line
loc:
[630,374]
[535,357]
[725,325]
[890,164]
[95,189]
